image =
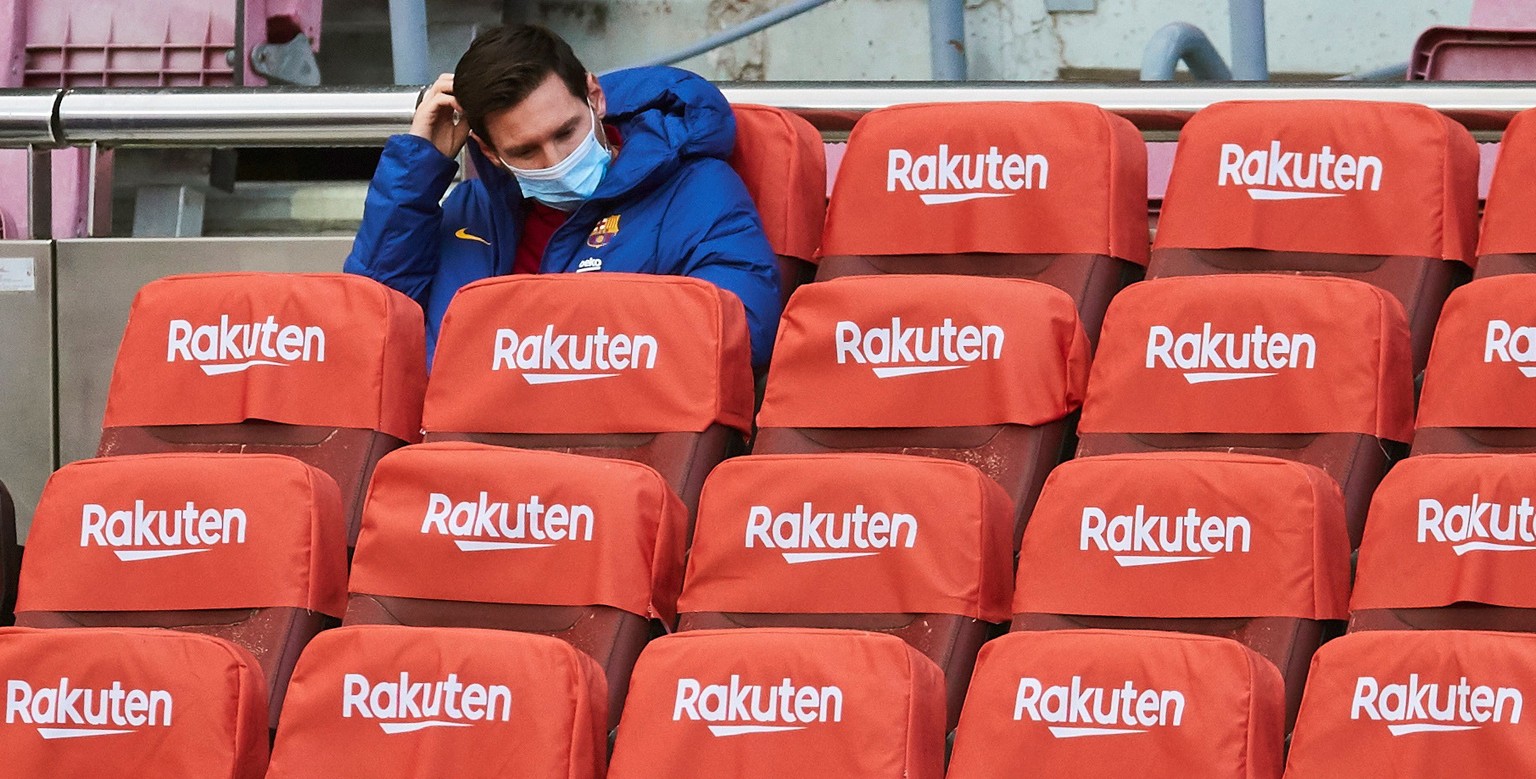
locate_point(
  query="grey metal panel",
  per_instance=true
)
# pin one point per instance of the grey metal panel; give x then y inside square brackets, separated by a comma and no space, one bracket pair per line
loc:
[97,280]
[26,372]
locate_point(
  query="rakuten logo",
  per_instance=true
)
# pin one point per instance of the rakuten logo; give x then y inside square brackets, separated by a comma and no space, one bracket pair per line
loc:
[955,178]
[484,525]
[1434,708]
[1511,344]
[232,348]
[1277,174]
[1478,526]
[547,358]
[811,536]
[900,350]
[1209,356]
[1076,711]
[408,706]
[736,709]
[61,711]
[142,534]
[1139,538]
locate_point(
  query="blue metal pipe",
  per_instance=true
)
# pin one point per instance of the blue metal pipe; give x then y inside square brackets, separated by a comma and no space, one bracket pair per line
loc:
[1182,42]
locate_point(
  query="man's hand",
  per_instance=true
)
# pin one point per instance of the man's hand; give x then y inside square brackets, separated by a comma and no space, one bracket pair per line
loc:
[439,118]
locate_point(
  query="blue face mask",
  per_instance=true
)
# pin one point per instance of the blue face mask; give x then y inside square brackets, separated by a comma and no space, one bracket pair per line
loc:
[570,181]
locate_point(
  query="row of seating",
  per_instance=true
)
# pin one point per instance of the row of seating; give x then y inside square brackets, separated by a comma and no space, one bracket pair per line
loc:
[388,701]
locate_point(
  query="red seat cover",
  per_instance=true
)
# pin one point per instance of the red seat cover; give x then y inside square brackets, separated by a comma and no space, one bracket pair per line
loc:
[1388,704]
[771,703]
[1508,241]
[386,701]
[127,704]
[1105,704]
[781,159]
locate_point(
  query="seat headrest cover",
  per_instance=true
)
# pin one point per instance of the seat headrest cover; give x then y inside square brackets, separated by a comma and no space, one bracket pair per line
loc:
[1484,357]
[851,533]
[316,349]
[1507,227]
[1323,176]
[1002,178]
[1186,535]
[124,704]
[780,158]
[1441,530]
[1153,704]
[854,352]
[392,702]
[487,524]
[1418,703]
[187,532]
[770,703]
[591,353]
[1253,353]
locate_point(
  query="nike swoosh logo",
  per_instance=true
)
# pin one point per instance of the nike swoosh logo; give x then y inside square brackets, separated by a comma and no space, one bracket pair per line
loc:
[464,233]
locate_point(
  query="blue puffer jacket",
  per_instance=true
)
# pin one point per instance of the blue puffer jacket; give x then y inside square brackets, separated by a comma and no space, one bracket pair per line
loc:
[680,209]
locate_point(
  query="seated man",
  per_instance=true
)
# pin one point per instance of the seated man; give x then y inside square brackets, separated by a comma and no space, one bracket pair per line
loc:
[626,173]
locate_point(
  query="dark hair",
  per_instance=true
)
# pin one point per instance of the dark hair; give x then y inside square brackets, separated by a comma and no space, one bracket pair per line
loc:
[504,64]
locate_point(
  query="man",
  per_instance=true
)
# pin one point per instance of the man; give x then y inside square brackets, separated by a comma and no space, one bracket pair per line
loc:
[576,174]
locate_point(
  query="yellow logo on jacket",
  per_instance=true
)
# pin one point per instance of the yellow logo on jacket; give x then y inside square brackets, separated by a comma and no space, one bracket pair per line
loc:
[604,232]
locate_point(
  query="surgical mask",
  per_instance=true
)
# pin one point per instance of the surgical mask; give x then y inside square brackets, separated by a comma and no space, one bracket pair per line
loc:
[570,181]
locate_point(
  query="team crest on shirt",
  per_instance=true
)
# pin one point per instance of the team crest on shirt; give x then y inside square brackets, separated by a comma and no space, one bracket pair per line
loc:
[604,232]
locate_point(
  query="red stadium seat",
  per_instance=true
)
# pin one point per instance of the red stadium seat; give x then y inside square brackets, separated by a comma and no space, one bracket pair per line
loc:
[1380,192]
[1389,704]
[248,548]
[1442,546]
[1051,192]
[781,159]
[1251,548]
[10,557]
[388,702]
[1311,369]
[130,704]
[654,369]
[999,365]
[468,535]
[1478,383]
[1109,704]
[774,703]
[918,548]
[1508,240]
[328,368]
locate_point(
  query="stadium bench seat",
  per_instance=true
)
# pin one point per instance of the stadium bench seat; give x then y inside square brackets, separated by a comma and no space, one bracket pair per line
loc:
[1442,547]
[915,547]
[1477,387]
[585,549]
[1250,548]
[129,704]
[249,548]
[1386,704]
[773,703]
[1051,192]
[1108,704]
[1306,368]
[390,702]
[982,370]
[781,159]
[328,368]
[1380,192]
[10,557]
[654,369]
[1508,240]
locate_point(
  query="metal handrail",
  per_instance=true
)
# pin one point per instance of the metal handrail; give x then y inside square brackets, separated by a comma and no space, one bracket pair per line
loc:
[294,116]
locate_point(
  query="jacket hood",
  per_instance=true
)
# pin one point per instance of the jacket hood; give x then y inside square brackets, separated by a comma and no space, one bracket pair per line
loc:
[664,115]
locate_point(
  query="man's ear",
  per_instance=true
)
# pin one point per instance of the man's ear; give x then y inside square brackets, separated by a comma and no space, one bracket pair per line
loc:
[595,96]
[485,148]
